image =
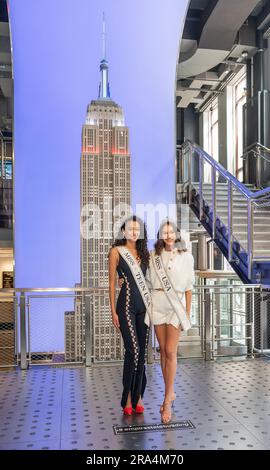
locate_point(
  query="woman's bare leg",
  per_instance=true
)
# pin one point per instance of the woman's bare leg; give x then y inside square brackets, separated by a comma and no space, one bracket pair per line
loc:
[160,331]
[172,338]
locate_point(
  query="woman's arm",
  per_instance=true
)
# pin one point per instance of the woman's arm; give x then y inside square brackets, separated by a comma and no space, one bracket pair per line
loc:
[190,282]
[113,262]
[188,294]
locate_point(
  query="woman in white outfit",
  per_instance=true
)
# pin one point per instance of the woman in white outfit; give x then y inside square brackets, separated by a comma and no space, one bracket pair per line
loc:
[178,270]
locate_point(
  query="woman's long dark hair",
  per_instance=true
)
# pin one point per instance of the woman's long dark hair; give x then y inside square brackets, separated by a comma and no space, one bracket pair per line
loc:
[141,243]
[179,242]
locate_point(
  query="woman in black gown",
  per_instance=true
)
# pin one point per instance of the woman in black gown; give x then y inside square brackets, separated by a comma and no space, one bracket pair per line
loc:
[130,311]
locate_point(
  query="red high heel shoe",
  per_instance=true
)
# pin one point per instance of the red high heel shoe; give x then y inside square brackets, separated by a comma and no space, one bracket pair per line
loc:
[139,409]
[127,410]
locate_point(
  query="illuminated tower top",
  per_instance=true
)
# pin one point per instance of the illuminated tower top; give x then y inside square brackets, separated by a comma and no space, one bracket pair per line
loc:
[104,88]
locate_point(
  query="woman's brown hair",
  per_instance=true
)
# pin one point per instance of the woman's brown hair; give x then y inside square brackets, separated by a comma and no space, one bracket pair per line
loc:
[179,242]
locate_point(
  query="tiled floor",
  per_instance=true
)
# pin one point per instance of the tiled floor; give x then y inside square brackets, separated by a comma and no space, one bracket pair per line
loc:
[76,408]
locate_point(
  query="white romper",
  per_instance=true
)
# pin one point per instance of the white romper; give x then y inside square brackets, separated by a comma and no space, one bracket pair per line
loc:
[180,269]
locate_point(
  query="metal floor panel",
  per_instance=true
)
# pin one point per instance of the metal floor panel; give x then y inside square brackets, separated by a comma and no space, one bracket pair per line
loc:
[76,408]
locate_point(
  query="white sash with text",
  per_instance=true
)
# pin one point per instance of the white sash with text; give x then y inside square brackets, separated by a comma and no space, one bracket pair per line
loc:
[140,281]
[170,292]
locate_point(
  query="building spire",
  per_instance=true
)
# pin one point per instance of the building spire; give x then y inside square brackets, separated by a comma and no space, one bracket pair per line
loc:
[103,37]
[104,88]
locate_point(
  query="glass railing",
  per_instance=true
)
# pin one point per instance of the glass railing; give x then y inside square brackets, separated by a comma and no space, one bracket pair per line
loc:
[63,326]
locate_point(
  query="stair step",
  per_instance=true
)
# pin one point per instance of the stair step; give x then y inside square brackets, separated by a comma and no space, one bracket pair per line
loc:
[238,212]
[257,238]
[261,240]
[240,204]
[259,243]
[257,251]
[220,185]
[223,197]
[259,226]
[223,188]
[256,233]
[225,202]
[223,193]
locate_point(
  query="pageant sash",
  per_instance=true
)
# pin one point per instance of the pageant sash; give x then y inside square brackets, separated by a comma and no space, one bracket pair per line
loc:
[170,292]
[140,281]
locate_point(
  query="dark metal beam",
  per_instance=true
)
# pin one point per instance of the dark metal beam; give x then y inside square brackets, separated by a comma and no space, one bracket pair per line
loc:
[264,17]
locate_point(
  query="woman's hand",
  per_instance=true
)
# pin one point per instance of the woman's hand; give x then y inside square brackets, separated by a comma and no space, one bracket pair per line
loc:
[115,320]
[120,282]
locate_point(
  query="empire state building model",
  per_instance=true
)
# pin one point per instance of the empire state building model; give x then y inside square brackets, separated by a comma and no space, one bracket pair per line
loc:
[105,197]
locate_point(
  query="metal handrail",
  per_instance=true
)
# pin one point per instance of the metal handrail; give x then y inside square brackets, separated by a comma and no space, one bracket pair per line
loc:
[12,290]
[257,144]
[226,174]
[26,290]
[206,319]
[252,198]
[259,152]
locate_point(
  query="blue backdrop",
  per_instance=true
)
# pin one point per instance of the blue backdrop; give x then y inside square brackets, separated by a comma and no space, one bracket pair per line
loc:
[57,48]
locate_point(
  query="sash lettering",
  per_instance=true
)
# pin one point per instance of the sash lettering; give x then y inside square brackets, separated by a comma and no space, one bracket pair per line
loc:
[140,281]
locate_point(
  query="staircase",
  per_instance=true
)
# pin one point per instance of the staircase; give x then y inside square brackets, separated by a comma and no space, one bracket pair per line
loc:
[236,216]
[261,246]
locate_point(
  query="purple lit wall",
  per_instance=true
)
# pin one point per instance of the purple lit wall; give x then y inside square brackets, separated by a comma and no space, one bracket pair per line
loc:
[57,48]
